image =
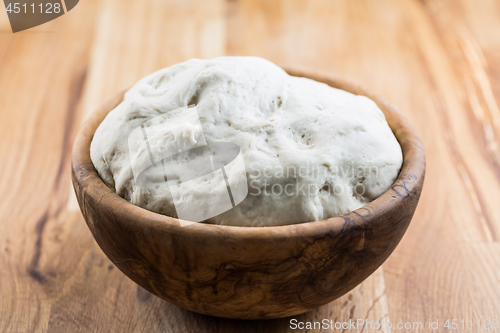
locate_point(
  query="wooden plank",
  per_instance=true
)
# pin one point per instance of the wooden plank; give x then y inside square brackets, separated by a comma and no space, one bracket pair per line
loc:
[438,61]
[41,83]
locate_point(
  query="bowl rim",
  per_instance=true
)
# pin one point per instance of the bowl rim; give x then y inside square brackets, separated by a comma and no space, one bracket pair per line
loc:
[411,174]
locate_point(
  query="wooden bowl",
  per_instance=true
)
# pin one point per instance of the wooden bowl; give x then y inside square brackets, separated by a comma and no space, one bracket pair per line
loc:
[245,272]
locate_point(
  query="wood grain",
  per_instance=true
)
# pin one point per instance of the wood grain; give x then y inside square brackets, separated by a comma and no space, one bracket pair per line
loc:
[438,61]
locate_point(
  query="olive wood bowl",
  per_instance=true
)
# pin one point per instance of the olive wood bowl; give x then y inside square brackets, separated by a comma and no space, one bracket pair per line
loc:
[250,272]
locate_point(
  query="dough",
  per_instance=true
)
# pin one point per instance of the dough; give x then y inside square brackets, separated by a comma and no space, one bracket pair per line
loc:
[310,151]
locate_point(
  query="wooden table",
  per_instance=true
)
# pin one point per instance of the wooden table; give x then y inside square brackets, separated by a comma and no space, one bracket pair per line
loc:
[438,61]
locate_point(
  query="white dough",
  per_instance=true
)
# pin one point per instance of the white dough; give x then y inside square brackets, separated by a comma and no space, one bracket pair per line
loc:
[331,151]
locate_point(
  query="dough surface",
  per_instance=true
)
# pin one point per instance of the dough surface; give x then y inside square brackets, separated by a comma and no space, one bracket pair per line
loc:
[310,151]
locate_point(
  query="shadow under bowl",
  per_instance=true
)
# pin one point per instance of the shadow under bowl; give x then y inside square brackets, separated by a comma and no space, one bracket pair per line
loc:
[245,272]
